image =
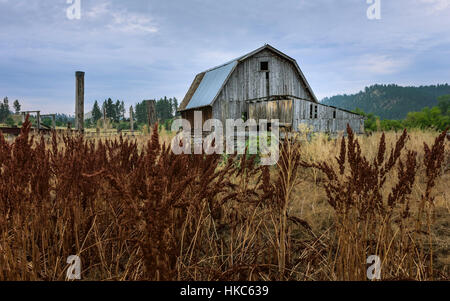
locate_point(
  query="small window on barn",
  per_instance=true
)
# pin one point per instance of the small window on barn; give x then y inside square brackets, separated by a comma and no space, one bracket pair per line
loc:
[310,111]
[315,112]
[264,66]
[334,114]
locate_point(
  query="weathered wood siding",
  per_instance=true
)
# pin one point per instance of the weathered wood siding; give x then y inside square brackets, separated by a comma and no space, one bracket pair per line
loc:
[326,120]
[318,117]
[277,109]
[247,82]
[189,115]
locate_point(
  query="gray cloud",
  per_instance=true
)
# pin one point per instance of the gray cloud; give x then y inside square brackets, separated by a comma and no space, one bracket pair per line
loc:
[136,50]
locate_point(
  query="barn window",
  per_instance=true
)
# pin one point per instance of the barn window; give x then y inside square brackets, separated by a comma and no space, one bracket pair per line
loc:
[264,66]
[334,114]
[315,112]
[310,111]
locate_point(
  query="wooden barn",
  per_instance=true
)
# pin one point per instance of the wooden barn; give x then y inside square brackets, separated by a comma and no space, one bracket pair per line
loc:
[264,84]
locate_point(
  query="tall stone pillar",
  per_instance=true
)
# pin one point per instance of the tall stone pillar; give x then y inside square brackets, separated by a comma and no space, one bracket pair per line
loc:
[151,110]
[131,120]
[79,101]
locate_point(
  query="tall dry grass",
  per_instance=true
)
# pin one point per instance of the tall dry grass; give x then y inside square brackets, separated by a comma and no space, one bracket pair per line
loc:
[372,217]
[132,210]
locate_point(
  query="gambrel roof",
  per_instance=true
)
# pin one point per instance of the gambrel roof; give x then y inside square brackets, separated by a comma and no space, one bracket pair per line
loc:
[207,85]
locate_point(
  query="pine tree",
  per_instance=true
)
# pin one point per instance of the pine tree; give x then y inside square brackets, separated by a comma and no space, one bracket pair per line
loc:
[96,113]
[141,113]
[175,106]
[4,109]
[17,106]
[117,113]
[110,110]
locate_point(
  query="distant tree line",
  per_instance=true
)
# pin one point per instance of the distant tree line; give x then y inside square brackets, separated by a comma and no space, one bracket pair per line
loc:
[166,109]
[63,120]
[6,116]
[114,111]
[437,117]
[390,101]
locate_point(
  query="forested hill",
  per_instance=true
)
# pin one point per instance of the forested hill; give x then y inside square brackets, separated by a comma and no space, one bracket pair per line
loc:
[390,101]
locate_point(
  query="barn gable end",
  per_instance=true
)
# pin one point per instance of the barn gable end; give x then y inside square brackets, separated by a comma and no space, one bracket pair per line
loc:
[249,83]
[208,85]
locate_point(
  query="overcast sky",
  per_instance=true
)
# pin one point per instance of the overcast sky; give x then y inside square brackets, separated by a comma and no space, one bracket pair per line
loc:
[135,49]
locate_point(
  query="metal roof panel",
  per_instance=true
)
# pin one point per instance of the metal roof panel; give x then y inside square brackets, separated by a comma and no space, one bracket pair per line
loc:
[210,86]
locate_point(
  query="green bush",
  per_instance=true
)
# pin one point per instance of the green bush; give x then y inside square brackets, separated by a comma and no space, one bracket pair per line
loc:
[123,126]
[10,122]
[168,124]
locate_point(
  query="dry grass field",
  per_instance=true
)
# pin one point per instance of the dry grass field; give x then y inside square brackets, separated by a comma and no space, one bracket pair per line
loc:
[132,210]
